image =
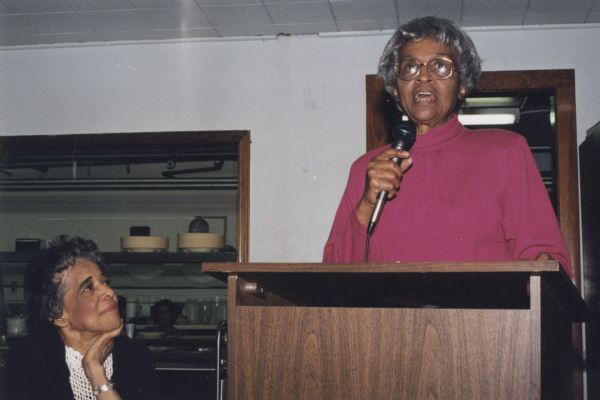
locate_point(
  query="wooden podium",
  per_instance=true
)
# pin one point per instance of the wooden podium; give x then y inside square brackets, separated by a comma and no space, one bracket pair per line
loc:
[399,331]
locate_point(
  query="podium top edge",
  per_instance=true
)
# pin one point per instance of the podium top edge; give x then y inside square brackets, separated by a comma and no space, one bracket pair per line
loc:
[400,268]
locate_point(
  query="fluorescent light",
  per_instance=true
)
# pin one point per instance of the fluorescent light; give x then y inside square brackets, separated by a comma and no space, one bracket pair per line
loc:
[487,119]
[487,102]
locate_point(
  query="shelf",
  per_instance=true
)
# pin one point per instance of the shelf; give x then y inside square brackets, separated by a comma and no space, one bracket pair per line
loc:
[221,183]
[158,257]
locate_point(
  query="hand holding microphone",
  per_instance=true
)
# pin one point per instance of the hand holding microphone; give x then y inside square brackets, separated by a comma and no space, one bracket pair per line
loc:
[385,171]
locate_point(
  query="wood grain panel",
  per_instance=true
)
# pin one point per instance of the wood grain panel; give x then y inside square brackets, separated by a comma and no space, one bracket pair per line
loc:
[243,223]
[384,268]
[449,354]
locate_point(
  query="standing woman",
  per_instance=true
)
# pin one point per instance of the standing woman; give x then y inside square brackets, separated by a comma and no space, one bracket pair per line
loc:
[75,350]
[459,195]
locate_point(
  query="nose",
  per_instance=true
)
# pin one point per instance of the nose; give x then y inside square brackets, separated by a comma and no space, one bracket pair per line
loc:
[107,291]
[424,75]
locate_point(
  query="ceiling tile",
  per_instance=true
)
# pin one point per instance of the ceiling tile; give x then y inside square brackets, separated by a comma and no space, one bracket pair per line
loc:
[305,29]
[226,2]
[292,1]
[410,9]
[34,6]
[242,15]
[550,7]
[512,10]
[372,25]
[163,3]
[187,34]
[485,21]
[115,21]
[13,25]
[255,30]
[594,17]
[175,18]
[98,5]
[24,40]
[549,19]
[557,11]
[113,36]
[56,23]
[300,13]
[356,10]
[85,37]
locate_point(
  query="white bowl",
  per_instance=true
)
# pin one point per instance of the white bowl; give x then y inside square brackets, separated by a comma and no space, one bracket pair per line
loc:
[200,242]
[144,243]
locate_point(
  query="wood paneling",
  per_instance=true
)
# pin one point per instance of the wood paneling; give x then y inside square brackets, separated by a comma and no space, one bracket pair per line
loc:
[383,353]
[243,234]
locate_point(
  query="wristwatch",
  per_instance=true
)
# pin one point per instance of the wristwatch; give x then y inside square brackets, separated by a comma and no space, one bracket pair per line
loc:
[103,388]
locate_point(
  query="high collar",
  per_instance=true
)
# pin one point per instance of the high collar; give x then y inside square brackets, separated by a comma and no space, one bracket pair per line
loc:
[439,136]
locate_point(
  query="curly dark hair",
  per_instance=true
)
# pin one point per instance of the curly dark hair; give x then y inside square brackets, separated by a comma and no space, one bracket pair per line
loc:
[44,299]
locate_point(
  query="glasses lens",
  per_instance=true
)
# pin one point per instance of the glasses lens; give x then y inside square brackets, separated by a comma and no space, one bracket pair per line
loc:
[408,69]
[440,68]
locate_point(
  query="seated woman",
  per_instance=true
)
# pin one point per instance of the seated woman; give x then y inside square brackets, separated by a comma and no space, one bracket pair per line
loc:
[75,350]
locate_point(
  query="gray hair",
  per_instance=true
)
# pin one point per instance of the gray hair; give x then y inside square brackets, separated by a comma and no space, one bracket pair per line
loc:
[444,31]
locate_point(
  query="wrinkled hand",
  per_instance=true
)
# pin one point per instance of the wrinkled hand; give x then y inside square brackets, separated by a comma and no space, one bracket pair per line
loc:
[94,358]
[382,175]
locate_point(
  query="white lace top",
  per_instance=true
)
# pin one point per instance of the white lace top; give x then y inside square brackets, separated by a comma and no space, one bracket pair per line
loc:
[82,389]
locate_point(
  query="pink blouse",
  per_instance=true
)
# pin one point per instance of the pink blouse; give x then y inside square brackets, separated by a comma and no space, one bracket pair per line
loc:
[471,195]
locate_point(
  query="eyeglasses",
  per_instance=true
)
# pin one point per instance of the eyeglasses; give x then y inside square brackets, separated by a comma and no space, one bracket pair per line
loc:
[439,68]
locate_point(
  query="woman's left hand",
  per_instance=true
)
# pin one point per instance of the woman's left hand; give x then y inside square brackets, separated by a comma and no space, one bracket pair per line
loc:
[543,257]
[93,359]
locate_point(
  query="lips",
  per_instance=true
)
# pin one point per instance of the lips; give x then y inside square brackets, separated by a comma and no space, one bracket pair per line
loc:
[423,95]
[109,308]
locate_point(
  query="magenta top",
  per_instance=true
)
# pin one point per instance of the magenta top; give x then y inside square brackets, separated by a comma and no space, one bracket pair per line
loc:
[471,195]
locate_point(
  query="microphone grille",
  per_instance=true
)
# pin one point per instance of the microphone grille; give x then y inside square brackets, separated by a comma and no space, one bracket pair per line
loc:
[403,135]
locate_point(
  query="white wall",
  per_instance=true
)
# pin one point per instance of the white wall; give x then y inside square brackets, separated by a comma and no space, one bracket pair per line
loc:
[302,97]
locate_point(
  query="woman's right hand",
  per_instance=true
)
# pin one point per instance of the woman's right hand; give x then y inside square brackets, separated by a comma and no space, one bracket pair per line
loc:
[383,174]
[93,361]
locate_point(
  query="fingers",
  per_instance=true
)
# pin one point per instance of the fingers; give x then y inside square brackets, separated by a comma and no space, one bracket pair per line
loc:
[383,174]
[102,346]
[94,358]
[543,257]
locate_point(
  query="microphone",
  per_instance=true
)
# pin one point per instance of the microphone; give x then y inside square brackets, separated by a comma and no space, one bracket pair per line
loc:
[403,137]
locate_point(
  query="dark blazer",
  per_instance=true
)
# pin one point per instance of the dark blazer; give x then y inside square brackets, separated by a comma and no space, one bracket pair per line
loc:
[37,369]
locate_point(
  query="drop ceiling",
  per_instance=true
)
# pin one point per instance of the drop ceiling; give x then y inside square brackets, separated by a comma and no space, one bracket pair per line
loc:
[44,22]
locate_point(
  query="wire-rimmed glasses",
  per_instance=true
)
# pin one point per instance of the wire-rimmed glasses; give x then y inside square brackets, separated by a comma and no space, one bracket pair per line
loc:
[439,68]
